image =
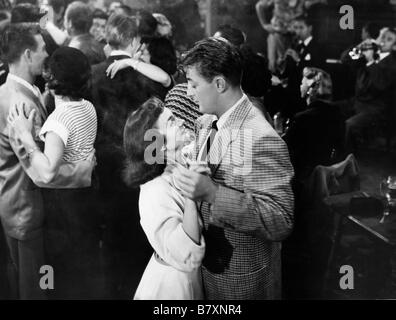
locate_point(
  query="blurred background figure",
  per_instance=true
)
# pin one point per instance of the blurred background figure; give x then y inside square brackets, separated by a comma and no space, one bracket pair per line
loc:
[164,27]
[256,78]
[78,21]
[98,25]
[58,7]
[5,17]
[113,6]
[375,98]
[315,135]
[278,26]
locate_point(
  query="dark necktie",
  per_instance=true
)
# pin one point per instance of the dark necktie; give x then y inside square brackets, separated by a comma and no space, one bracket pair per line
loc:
[301,48]
[209,141]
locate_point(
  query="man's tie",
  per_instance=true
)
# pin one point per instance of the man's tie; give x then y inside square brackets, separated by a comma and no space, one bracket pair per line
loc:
[209,141]
[301,48]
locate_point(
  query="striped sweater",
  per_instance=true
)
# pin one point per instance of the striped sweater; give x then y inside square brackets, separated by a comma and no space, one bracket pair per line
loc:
[75,122]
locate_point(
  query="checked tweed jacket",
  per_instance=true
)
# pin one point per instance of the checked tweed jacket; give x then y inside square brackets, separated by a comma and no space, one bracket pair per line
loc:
[253,210]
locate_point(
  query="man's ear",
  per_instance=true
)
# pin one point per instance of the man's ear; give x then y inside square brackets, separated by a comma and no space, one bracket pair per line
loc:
[221,84]
[27,54]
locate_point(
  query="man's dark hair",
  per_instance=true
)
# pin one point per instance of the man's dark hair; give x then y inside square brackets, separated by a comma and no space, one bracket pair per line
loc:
[120,30]
[80,15]
[306,19]
[127,10]
[213,57]
[25,12]
[33,2]
[57,5]
[373,29]
[233,35]
[100,14]
[16,38]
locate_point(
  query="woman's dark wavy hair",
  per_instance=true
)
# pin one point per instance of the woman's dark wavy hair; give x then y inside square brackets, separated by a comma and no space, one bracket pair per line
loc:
[162,53]
[68,73]
[137,171]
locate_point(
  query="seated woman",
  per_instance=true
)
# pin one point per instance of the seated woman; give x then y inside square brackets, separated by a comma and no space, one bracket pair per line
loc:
[69,134]
[156,60]
[170,221]
[315,135]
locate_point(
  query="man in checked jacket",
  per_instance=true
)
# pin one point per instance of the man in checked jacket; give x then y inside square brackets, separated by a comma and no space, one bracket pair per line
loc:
[247,202]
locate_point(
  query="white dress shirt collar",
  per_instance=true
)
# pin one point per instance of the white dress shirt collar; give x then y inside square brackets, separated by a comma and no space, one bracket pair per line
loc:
[308,41]
[32,88]
[222,120]
[120,53]
[383,55]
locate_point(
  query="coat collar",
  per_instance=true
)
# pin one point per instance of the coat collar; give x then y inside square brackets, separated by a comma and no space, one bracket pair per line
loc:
[117,57]
[225,136]
[29,94]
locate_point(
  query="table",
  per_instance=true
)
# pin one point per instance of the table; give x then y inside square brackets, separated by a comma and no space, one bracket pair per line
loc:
[384,234]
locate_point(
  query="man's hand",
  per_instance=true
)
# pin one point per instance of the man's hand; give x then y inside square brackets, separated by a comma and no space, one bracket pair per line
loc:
[194,185]
[368,55]
[293,54]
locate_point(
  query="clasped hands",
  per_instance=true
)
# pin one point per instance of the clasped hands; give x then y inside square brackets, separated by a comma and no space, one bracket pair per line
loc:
[195,183]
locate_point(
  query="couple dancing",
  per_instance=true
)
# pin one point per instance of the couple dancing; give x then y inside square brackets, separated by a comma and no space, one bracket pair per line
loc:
[216,229]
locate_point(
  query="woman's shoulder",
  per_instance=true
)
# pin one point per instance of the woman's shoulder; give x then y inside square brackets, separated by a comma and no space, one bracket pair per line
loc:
[71,108]
[160,193]
[160,184]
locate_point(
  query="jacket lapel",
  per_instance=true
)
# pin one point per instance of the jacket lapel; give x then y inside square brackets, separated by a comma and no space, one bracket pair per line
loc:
[226,135]
[26,92]
[203,128]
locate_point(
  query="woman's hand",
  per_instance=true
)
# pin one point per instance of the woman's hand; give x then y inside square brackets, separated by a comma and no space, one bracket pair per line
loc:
[17,119]
[119,65]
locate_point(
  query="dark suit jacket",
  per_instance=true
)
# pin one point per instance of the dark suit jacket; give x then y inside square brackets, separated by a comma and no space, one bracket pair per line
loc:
[90,47]
[114,99]
[312,136]
[311,55]
[376,86]
[21,207]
